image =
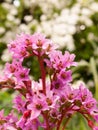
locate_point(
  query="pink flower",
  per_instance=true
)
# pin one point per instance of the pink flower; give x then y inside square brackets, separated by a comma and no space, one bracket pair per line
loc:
[50,98]
[10,69]
[19,103]
[27,124]
[16,70]
[58,87]
[65,76]
[58,61]
[44,103]
[7,122]
[2,115]
[95,116]
[37,106]
[86,98]
[22,74]
[41,45]
[95,128]
[18,47]
[37,86]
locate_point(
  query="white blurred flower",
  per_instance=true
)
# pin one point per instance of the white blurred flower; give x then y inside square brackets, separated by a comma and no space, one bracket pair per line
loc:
[87,21]
[73,19]
[64,41]
[33,23]
[24,28]
[65,11]
[94,7]
[59,26]
[76,9]
[8,36]
[1,70]
[71,29]
[77,84]
[28,3]
[6,56]
[43,17]
[82,27]
[13,11]
[91,36]
[16,3]
[2,30]
[28,18]
[46,27]
[9,1]
[7,6]
[90,83]
[86,11]
[10,17]
[17,21]
[60,29]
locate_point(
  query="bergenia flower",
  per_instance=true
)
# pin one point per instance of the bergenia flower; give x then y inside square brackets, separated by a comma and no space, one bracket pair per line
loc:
[46,102]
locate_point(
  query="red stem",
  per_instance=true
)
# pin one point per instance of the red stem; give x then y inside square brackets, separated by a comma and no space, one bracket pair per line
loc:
[43,74]
[63,114]
[53,78]
[66,123]
[59,123]
[46,119]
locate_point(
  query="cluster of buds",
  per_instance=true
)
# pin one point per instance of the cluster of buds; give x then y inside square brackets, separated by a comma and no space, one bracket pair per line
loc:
[52,99]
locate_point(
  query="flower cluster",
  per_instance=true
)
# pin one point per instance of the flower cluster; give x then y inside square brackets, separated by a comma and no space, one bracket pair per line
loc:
[49,101]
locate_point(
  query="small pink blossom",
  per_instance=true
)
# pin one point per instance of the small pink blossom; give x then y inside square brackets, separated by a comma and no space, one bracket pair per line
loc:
[37,106]
[19,103]
[58,61]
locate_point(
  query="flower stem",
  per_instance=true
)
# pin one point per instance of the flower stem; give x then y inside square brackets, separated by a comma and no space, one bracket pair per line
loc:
[59,123]
[43,73]
[46,119]
[62,117]
[64,126]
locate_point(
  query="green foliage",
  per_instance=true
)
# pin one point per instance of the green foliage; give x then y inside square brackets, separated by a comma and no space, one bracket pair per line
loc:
[3,13]
[37,12]
[80,125]
[2,47]
[5,101]
[34,67]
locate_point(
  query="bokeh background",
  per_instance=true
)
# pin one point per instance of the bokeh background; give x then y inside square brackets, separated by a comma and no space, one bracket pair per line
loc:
[71,24]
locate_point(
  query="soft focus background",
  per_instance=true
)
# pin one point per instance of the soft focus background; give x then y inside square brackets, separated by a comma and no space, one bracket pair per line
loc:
[72,24]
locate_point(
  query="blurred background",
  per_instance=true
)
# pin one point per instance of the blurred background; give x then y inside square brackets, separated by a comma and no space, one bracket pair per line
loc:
[71,24]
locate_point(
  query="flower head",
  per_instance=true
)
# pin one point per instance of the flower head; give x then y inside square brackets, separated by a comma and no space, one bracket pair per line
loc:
[44,103]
